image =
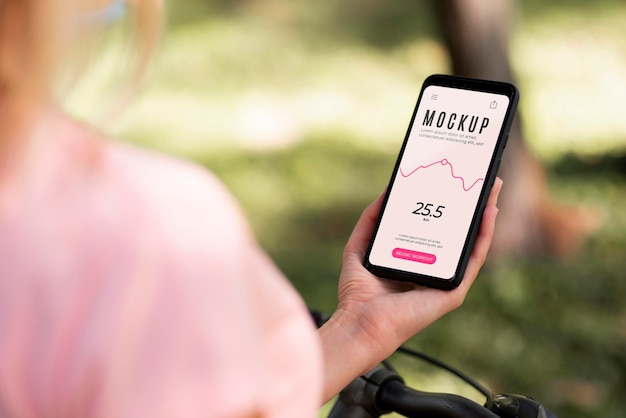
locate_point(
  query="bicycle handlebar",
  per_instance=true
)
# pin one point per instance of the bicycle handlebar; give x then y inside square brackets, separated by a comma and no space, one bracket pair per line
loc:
[382,391]
[411,402]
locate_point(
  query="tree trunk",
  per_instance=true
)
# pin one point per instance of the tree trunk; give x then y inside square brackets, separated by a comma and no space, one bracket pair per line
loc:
[477,33]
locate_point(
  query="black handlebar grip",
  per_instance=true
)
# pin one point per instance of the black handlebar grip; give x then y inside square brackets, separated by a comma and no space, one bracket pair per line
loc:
[411,403]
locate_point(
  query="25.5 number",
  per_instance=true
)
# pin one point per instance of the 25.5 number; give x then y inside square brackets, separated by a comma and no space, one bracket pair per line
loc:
[426,209]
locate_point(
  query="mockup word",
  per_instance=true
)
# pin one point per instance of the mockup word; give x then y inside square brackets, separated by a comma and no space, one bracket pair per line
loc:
[454,121]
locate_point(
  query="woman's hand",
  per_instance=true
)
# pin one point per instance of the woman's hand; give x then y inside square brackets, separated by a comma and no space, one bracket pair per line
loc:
[375,316]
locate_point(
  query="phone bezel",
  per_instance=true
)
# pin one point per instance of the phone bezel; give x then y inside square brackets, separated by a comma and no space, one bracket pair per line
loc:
[507,89]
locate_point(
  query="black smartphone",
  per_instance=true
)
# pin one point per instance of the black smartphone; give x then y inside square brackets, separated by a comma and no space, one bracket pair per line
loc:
[441,181]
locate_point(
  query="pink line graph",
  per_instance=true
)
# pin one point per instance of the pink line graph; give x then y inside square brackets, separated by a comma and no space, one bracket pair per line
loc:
[444,162]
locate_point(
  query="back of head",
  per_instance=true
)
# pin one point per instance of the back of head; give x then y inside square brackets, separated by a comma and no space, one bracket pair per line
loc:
[35,36]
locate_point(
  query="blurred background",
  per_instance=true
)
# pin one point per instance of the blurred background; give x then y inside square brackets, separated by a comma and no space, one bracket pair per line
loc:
[301,107]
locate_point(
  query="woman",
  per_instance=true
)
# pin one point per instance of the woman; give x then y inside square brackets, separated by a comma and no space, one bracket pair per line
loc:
[131,285]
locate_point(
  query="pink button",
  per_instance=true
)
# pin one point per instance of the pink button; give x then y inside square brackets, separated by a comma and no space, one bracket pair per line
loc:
[414,256]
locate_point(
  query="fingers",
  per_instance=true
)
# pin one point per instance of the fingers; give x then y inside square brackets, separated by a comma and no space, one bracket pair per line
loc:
[484,238]
[495,192]
[488,223]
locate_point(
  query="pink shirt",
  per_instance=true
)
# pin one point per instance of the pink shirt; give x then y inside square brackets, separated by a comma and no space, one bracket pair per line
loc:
[131,286]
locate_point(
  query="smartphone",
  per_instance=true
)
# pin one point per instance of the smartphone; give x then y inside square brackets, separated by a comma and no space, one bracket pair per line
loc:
[441,181]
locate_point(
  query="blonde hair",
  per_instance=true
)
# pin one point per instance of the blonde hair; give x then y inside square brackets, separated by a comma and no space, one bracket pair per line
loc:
[34,33]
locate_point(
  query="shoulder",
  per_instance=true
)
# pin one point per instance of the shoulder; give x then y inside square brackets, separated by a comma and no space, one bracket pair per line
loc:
[182,196]
[169,176]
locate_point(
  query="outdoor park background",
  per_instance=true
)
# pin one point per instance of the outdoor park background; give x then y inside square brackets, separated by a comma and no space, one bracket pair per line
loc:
[301,107]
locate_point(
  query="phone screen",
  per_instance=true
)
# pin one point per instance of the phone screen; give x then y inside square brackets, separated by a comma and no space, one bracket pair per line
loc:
[441,177]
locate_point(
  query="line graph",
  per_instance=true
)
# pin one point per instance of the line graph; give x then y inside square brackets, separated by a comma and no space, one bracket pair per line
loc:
[444,162]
